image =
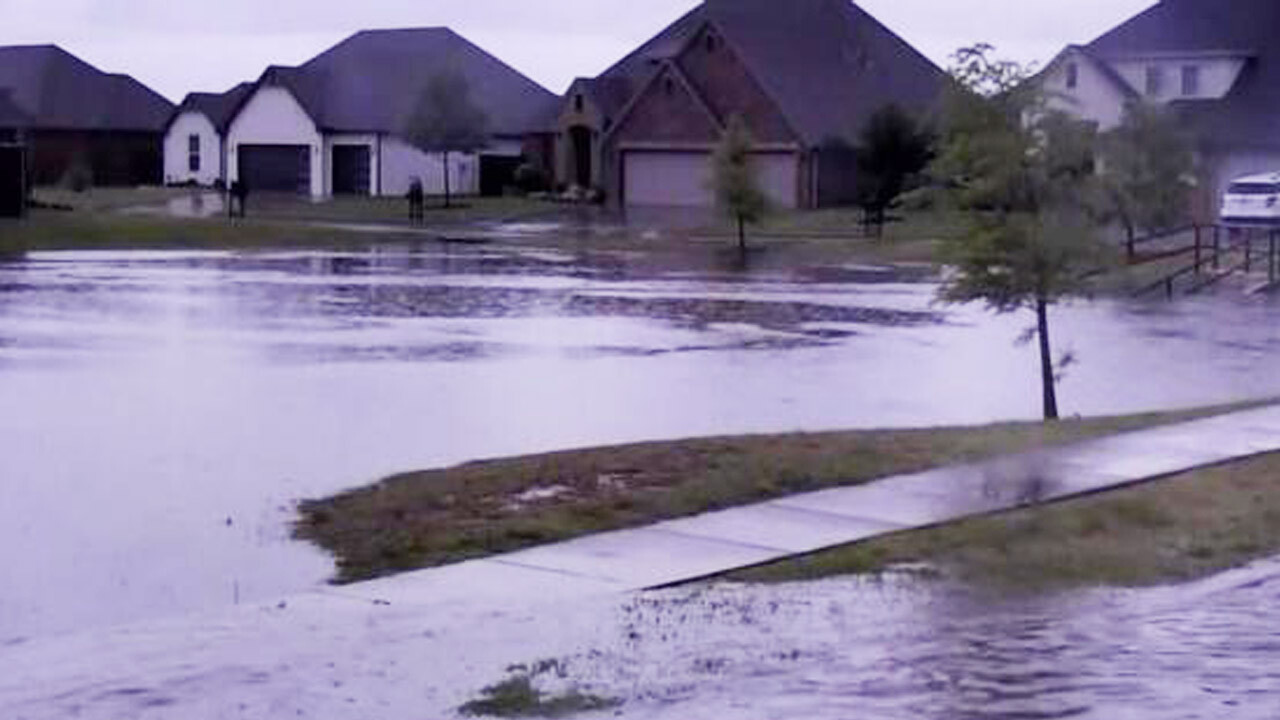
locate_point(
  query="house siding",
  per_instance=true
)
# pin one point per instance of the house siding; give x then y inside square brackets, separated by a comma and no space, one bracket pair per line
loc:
[401,163]
[273,117]
[176,155]
[1095,96]
[1217,76]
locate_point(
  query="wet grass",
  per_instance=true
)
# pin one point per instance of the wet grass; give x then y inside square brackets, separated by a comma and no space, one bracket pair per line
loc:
[1173,530]
[431,518]
[518,697]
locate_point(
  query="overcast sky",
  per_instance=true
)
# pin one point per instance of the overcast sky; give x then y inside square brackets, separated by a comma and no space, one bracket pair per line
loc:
[177,46]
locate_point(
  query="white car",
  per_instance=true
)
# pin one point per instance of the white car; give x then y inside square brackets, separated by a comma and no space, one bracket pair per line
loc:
[1252,200]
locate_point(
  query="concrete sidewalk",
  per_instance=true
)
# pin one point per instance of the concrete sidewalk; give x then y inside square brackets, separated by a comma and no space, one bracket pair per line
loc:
[678,551]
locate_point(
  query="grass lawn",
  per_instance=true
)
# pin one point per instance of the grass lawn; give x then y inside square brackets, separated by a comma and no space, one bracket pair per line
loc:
[1174,530]
[431,518]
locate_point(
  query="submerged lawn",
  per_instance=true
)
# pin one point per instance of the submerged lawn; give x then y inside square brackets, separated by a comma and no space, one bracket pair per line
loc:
[431,518]
[1174,530]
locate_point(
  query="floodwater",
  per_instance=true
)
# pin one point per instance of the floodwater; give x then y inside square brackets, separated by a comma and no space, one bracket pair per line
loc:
[895,649]
[163,411]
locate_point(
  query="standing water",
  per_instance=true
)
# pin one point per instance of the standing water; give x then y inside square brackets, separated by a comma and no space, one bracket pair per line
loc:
[163,412]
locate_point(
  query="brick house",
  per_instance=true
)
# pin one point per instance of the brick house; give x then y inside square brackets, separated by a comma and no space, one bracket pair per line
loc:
[804,75]
[79,116]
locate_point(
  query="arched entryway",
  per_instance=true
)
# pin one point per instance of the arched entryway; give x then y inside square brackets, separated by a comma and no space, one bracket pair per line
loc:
[580,141]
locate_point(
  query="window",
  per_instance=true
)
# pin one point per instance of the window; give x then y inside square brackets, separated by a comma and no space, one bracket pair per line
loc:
[577,103]
[1155,80]
[669,86]
[193,153]
[711,42]
[1190,80]
[1073,76]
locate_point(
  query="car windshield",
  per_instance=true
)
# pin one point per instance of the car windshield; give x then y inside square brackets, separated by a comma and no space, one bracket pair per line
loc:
[1254,188]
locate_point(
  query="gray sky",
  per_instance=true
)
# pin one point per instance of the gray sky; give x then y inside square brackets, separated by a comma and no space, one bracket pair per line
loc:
[177,46]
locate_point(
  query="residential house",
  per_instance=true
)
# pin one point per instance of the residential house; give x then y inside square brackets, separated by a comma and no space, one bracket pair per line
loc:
[1216,65]
[194,142]
[80,117]
[13,166]
[804,75]
[336,124]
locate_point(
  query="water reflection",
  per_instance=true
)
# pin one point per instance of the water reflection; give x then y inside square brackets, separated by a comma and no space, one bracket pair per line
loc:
[151,396]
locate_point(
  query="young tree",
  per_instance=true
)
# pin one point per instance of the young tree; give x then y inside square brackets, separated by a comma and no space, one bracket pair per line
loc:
[445,120]
[893,149]
[733,178]
[1148,171]
[1023,177]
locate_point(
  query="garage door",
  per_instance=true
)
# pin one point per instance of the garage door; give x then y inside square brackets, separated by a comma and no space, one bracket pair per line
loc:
[276,168]
[351,169]
[684,179]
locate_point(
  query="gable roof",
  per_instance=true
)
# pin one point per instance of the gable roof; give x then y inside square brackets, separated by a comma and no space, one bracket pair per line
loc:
[371,81]
[1242,28]
[1103,68]
[59,91]
[826,64]
[220,108]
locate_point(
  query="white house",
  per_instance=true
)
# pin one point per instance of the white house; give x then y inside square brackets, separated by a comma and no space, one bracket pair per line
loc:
[334,125]
[1214,64]
[194,151]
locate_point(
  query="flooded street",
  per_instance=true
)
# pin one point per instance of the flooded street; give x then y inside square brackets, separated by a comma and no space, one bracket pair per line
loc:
[163,411]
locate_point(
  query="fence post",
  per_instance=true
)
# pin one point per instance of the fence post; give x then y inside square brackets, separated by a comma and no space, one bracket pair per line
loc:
[1197,249]
[1217,245]
[1271,259]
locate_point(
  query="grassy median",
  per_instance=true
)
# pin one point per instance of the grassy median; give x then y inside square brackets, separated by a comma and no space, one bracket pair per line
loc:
[1175,530]
[424,519]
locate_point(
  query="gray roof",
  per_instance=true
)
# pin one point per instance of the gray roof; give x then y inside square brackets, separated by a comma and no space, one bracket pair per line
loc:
[371,81]
[11,116]
[827,64]
[59,91]
[220,108]
[1246,116]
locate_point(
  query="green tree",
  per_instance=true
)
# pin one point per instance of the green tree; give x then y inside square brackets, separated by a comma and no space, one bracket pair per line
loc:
[1023,177]
[893,149]
[733,178]
[1148,171]
[445,120]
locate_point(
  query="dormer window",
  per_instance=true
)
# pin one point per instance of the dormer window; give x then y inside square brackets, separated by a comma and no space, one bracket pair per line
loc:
[669,86]
[1155,80]
[1190,80]
[712,42]
[1073,76]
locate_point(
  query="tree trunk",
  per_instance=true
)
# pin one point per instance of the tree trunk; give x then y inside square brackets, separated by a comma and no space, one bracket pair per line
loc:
[742,235]
[1046,361]
[446,180]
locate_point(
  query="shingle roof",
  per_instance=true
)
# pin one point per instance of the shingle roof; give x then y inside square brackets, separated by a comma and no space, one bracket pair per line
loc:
[1246,116]
[220,108]
[60,91]
[827,64]
[11,116]
[371,81]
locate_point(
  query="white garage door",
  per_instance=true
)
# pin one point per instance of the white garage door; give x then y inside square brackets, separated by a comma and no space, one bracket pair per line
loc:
[684,179]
